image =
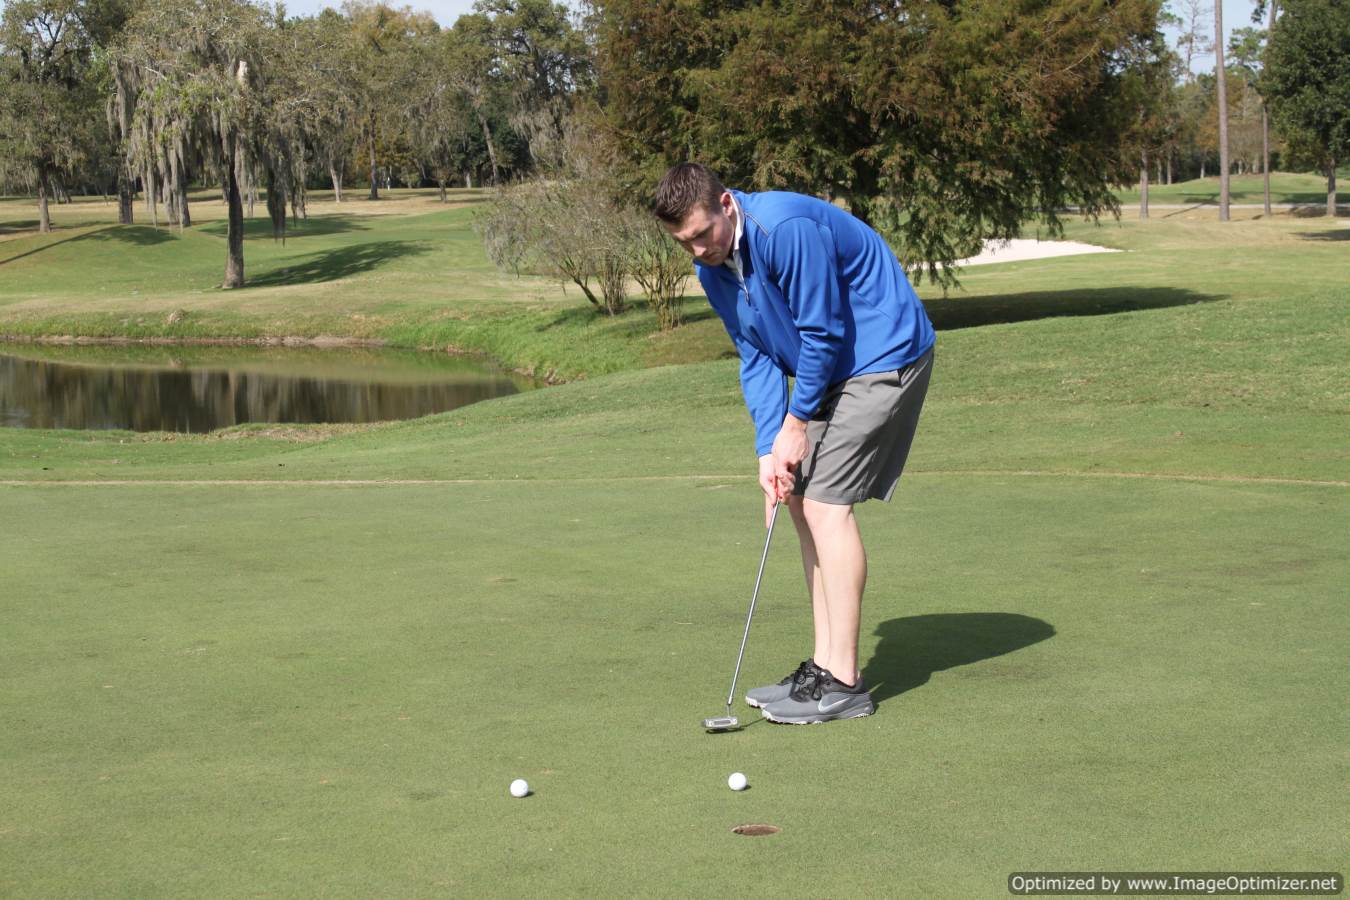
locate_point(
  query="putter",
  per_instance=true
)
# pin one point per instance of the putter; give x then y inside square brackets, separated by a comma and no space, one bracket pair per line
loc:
[730,722]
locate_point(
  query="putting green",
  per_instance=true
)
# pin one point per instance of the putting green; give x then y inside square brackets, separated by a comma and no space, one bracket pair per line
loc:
[289,688]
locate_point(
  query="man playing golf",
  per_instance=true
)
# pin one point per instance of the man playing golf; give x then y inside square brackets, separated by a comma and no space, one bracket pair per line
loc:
[807,290]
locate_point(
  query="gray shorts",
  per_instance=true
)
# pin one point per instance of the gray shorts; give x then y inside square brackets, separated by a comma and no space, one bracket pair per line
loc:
[859,440]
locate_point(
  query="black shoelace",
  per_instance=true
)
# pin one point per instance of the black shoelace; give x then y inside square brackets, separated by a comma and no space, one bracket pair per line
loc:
[811,685]
[798,676]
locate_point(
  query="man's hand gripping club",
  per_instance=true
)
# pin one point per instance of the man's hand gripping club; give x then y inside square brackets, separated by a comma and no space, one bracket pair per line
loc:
[778,468]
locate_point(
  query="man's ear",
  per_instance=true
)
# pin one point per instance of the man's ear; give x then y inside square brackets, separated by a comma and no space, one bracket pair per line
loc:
[728,203]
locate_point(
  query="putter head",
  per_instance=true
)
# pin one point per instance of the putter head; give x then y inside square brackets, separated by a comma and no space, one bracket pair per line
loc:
[721,723]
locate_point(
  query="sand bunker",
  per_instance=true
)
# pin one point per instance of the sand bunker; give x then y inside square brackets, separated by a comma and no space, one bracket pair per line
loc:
[1020,249]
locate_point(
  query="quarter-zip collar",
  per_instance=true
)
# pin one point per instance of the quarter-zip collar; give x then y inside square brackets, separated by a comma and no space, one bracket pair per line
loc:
[734,261]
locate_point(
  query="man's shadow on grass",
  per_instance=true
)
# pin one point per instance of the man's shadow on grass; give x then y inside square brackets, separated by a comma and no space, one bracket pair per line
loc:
[912,648]
[969,312]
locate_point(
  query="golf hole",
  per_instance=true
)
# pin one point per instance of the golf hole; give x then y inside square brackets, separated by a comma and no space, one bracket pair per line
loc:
[756,830]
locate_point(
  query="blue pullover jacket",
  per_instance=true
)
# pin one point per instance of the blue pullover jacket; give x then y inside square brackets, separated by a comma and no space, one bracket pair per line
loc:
[825,299]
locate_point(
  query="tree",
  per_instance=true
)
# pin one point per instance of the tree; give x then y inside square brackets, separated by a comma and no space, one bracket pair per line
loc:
[47,99]
[200,65]
[478,77]
[440,115]
[1265,105]
[381,55]
[121,107]
[1308,81]
[1221,83]
[943,124]
[544,60]
[324,90]
[1153,93]
[1192,21]
[557,228]
[659,265]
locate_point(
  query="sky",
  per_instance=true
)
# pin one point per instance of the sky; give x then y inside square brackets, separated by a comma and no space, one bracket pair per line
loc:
[444,11]
[1236,14]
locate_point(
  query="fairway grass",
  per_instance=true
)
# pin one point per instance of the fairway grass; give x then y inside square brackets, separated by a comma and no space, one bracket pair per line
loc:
[1300,188]
[1104,620]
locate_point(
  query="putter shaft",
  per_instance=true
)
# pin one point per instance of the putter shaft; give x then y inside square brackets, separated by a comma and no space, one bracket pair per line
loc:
[751,614]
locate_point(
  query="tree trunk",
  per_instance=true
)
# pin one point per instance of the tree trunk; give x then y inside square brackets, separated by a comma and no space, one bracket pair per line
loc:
[1222,83]
[441,183]
[151,195]
[44,189]
[492,150]
[276,206]
[298,192]
[1331,188]
[126,197]
[170,200]
[234,235]
[1265,154]
[337,183]
[180,188]
[1169,168]
[370,143]
[1202,168]
[1143,184]
[1265,118]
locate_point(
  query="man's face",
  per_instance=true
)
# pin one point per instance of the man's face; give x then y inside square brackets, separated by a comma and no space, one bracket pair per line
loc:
[707,234]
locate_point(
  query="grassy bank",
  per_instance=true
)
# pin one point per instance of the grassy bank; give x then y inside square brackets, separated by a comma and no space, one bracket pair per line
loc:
[410,272]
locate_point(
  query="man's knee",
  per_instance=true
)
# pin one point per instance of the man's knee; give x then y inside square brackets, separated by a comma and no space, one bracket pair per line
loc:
[824,515]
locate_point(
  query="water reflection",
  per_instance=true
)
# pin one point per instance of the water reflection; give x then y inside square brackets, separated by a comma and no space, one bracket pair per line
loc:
[197,389]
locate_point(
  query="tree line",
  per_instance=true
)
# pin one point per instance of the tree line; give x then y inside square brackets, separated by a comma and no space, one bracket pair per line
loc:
[150,97]
[943,123]
[1293,73]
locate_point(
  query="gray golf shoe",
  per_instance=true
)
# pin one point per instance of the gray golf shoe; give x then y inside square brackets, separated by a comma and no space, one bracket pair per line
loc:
[762,696]
[820,698]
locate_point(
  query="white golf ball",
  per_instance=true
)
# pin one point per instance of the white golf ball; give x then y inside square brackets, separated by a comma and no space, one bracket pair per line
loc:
[520,787]
[737,781]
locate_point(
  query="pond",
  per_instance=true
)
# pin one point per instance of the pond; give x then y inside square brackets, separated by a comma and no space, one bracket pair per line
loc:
[201,388]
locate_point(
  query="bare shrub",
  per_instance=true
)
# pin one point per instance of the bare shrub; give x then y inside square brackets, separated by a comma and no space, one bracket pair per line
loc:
[659,265]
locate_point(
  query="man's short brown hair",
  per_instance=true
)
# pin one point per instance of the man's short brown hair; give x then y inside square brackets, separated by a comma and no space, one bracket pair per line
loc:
[684,187]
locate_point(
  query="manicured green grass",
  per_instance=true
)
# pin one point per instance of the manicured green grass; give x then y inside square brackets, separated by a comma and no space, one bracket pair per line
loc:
[1103,622]
[309,690]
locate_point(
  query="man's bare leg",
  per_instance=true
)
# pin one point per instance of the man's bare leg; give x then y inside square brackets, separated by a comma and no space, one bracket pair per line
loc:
[815,586]
[841,573]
